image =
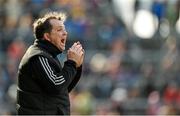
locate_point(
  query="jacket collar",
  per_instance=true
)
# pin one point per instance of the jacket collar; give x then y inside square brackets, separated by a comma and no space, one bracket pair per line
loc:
[48,46]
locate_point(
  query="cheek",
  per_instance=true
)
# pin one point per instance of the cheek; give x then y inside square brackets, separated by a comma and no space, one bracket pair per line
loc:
[59,41]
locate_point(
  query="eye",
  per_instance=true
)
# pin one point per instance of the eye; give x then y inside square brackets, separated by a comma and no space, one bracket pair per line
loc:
[59,30]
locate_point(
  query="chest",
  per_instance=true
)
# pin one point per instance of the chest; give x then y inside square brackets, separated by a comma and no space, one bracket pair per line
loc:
[57,65]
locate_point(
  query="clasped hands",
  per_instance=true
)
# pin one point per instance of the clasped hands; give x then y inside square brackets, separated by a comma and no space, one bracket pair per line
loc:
[76,53]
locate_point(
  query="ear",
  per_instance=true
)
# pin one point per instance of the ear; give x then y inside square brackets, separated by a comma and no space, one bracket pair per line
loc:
[47,36]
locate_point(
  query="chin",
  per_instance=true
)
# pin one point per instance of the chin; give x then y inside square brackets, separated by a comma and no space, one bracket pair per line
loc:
[62,49]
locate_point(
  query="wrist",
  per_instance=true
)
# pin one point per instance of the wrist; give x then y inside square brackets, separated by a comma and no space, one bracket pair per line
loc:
[71,62]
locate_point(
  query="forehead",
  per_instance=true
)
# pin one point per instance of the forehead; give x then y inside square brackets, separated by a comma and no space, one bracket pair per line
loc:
[56,23]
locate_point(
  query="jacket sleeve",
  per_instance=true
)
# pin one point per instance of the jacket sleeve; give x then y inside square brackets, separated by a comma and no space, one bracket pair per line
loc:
[51,79]
[76,79]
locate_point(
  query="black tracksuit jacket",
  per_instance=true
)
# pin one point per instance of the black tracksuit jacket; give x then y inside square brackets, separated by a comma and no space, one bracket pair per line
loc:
[43,84]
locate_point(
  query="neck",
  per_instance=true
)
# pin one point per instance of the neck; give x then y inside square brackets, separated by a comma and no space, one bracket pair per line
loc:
[48,46]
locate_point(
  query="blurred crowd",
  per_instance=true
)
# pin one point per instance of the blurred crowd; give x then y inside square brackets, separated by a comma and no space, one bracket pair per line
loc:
[128,69]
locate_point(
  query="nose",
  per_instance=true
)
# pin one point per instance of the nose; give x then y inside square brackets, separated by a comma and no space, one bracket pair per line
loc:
[65,32]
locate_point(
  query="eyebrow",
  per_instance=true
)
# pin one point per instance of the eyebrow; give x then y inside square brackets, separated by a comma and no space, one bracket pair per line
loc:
[60,26]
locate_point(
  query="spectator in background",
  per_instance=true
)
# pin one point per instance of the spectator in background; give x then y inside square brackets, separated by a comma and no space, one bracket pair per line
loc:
[43,84]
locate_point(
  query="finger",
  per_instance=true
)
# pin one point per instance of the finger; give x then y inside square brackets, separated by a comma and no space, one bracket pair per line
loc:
[68,52]
[75,43]
[81,53]
[78,42]
[71,50]
[79,47]
[83,50]
[73,46]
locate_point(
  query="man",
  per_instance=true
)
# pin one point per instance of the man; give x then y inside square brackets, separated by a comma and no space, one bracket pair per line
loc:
[43,84]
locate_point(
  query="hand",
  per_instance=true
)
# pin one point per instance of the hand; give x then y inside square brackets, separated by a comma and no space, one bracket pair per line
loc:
[82,57]
[76,53]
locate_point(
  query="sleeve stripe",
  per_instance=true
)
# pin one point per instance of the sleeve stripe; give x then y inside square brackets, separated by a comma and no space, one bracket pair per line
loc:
[46,70]
[56,80]
[51,72]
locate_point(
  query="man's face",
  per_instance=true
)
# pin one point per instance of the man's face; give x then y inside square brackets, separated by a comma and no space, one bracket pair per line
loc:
[58,34]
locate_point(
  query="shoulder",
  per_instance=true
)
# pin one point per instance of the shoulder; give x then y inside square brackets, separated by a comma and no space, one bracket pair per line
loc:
[33,51]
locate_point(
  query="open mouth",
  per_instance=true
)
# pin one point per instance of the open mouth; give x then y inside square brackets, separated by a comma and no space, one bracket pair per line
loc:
[63,41]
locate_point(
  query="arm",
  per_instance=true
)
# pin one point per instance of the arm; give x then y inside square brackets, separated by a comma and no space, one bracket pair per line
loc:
[47,75]
[79,58]
[76,79]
